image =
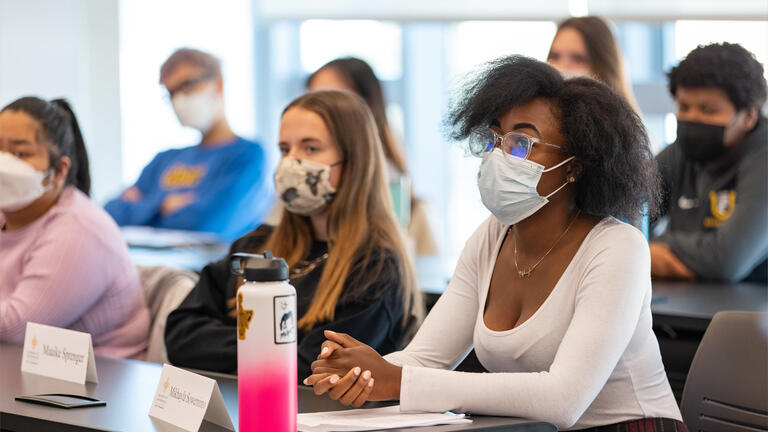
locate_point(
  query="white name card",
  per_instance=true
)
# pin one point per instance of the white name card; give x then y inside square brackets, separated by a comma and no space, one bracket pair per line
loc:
[184,399]
[58,353]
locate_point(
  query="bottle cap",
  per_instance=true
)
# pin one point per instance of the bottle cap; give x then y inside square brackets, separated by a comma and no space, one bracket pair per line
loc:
[259,268]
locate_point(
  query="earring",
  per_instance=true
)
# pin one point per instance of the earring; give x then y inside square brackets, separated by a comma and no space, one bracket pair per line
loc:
[571,179]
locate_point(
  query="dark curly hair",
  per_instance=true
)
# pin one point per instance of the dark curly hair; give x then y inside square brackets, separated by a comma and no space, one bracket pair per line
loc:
[601,130]
[726,66]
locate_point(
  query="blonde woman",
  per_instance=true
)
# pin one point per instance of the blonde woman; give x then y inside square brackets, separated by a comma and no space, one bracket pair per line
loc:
[338,235]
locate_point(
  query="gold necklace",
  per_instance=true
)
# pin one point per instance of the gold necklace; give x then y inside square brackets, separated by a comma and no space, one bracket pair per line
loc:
[303,267]
[526,273]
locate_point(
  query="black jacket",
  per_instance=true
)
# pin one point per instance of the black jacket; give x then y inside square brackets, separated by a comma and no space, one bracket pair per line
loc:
[201,333]
[718,220]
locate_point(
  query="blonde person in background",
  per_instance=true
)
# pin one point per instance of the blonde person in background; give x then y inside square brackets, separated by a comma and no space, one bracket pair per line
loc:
[585,46]
[338,234]
[355,75]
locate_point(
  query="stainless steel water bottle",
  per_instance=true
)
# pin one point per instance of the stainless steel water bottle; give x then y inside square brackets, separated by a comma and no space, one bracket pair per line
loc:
[266,344]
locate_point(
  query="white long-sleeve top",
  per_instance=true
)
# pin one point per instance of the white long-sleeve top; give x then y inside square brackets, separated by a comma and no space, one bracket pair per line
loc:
[586,357]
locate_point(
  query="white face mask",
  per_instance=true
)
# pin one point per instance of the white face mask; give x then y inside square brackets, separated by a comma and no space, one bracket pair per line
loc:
[199,110]
[304,186]
[575,73]
[20,183]
[508,186]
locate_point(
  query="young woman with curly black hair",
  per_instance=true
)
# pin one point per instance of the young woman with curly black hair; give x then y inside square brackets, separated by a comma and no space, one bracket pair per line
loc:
[715,175]
[552,290]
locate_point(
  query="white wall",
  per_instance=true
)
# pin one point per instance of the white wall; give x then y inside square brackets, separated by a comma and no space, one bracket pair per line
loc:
[69,48]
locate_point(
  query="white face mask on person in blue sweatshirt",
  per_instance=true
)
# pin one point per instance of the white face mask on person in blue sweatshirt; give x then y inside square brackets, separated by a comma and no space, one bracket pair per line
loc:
[199,110]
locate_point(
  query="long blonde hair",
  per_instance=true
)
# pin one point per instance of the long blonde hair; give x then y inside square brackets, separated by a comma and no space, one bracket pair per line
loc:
[361,220]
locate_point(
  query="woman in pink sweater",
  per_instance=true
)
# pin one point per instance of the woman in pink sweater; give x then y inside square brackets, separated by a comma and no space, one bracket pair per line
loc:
[62,260]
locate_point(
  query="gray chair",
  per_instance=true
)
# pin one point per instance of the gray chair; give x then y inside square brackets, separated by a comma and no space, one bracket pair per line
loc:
[727,385]
[164,289]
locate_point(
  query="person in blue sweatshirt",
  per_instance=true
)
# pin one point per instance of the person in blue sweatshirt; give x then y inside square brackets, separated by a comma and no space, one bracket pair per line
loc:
[223,185]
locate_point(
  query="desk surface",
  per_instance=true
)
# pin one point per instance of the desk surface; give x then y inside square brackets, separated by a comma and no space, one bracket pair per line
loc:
[704,300]
[128,387]
[700,301]
[172,248]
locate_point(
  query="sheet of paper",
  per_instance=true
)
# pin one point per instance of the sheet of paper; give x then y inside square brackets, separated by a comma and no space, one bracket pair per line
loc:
[59,353]
[159,238]
[184,399]
[372,419]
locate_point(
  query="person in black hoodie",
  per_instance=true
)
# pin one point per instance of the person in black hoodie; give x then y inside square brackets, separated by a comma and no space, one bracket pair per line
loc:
[715,173]
[339,236]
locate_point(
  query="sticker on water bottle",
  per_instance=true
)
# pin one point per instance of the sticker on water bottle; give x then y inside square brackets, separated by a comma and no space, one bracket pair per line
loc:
[285,319]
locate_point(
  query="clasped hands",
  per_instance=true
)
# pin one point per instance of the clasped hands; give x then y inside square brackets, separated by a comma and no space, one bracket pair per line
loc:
[352,372]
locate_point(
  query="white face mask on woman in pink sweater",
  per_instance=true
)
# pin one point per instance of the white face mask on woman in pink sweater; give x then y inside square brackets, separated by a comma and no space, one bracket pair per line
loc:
[20,183]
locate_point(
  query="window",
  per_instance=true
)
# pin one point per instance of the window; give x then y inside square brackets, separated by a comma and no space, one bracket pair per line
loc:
[752,35]
[378,43]
[472,43]
[476,42]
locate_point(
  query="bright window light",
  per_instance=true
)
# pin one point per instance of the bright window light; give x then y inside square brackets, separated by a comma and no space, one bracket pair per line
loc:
[670,127]
[476,42]
[378,43]
[472,43]
[752,35]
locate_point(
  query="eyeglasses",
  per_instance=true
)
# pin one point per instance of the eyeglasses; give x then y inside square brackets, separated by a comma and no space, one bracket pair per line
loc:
[189,85]
[518,145]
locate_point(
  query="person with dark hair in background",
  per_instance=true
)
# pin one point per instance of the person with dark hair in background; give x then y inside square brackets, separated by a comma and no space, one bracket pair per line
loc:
[715,173]
[357,76]
[63,262]
[553,291]
[585,46]
[222,185]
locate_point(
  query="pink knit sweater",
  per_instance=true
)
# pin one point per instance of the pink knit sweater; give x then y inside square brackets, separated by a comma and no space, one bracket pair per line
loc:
[70,268]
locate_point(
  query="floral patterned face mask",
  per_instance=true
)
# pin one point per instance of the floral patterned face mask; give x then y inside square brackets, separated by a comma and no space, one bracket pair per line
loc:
[304,186]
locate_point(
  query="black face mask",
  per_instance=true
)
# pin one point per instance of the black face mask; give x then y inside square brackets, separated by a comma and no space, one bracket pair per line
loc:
[701,142]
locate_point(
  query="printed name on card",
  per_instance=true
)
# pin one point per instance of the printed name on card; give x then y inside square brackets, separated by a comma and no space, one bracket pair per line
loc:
[184,399]
[58,353]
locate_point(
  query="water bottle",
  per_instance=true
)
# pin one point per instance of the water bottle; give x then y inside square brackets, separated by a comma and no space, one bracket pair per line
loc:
[266,344]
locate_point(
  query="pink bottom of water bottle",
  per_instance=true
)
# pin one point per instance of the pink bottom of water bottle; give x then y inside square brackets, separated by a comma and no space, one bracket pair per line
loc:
[268,399]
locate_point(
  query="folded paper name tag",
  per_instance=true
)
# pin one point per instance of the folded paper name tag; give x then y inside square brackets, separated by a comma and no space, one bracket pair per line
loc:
[58,353]
[184,399]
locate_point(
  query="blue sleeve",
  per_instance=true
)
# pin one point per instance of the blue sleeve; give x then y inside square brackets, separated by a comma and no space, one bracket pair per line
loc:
[235,201]
[144,211]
